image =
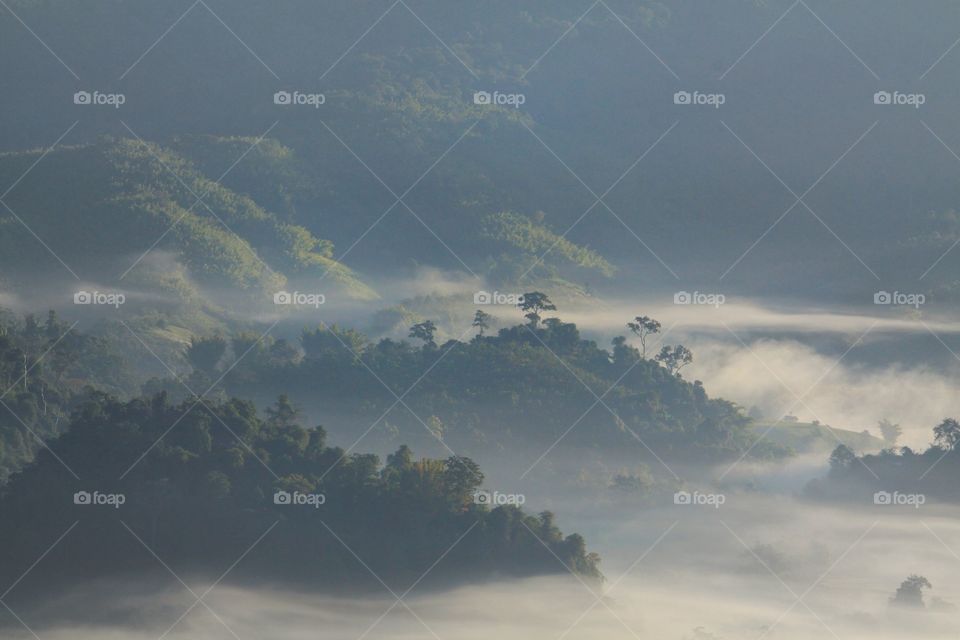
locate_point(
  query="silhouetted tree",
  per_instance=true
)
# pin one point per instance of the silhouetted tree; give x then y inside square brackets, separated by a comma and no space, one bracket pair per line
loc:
[643,326]
[841,459]
[533,305]
[946,435]
[401,459]
[910,592]
[481,320]
[675,358]
[424,331]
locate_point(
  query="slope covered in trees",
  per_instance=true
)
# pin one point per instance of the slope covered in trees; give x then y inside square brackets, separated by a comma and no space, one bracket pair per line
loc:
[900,474]
[45,367]
[101,207]
[199,484]
[531,384]
[400,103]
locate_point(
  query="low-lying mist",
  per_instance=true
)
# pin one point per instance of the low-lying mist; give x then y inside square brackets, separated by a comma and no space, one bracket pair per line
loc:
[833,365]
[758,566]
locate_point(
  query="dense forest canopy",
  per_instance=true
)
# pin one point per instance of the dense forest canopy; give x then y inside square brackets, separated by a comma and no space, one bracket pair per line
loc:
[198,483]
[521,180]
[523,386]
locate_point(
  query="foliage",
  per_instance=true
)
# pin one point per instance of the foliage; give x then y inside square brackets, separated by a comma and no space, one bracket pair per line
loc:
[526,384]
[45,368]
[201,492]
[933,473]
[126,194]
[910,592]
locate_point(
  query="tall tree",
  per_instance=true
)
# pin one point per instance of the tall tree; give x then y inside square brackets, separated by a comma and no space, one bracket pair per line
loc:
[424,331]
[481,320]
[643,326]
[675,358]
[946,435]
[533,305]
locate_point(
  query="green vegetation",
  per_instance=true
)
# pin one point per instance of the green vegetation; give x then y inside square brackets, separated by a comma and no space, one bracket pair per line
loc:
[527,384]
[45,368]
[200,482]
[522,242]
[813,436]
[932,473]
[123,195]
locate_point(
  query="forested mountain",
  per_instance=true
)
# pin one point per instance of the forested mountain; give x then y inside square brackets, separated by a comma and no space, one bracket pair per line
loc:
[198,484]
[526,387]
[101,207]
[315,303]
[399,118]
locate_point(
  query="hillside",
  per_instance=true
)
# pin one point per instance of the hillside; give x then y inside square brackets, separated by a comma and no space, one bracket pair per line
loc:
[516,392]
[109,209]
[201,494]
[399,119]
[807,437]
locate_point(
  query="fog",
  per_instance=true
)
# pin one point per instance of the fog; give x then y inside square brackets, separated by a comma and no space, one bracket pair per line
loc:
[837,365]
[672,572]
[785,376]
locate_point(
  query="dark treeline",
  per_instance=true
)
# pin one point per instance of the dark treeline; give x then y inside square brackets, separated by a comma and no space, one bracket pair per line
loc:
[934,472]
[200,483]
[44,367]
